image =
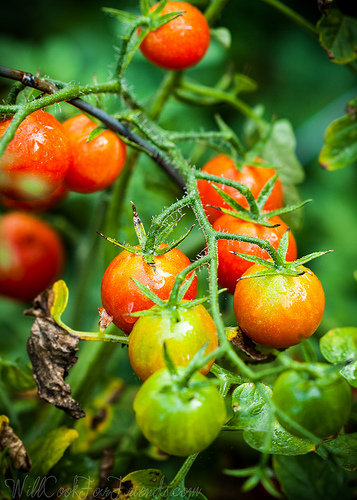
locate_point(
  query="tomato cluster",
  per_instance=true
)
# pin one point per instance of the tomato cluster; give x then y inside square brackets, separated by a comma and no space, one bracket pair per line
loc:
[46,158]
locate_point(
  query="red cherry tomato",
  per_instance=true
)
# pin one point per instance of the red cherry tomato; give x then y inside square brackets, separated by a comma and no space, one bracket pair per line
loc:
[41,205]
[180,43]
[37,159]
[279,310]
[121,296]
[253,177]
[95,164]
[230,266]
[184,332]
[32,255]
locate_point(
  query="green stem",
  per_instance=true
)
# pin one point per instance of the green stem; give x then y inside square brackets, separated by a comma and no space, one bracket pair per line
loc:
[166,89]
[293,16]
[183,471]
[222,96]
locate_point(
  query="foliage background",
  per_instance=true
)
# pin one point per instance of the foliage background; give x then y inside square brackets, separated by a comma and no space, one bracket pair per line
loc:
[295,80]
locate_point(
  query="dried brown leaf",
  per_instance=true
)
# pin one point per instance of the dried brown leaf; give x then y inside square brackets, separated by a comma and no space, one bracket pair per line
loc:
[52,351]
[15,447]
[245,344]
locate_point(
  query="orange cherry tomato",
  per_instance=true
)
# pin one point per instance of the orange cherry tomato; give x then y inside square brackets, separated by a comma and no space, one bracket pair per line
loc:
[180,43]
[279,310]
[32,256]
[121,296]
[96,164]
[37,159]
[253,177]
[41,205]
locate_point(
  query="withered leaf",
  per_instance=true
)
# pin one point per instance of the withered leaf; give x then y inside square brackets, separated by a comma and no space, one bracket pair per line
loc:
[245,344]
[52,351]
[15,447]
[104,318]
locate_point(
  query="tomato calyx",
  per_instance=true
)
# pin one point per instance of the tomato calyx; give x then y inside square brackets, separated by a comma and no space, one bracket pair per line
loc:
[255,213]
[151,244]
[278,263]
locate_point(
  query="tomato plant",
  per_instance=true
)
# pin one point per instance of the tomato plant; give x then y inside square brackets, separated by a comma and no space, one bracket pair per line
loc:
[320,403]
[230,266]
[180,43]
[37,159]
[96,164]
[279,310]
[183,330]
[32,255]
[179,420]
[253,177]
[121,296]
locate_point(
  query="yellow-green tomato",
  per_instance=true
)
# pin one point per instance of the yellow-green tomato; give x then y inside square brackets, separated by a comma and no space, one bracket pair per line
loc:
[184,332]
[179,420]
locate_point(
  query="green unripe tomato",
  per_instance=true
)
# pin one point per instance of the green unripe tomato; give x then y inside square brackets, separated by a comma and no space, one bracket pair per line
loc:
[179,420]
[321,405]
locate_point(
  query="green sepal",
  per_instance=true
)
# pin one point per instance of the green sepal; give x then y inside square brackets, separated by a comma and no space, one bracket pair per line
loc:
[123,246]
[95,132]
[170,365]
[145,7]
[254,259]
[245,191]
[138,227]
[166,231]
[167,249]
[126,17]
[266,192]
[164,19]
[307,258]
[148,293]
[284,244]
[246,218]
[185,286]
[286,210]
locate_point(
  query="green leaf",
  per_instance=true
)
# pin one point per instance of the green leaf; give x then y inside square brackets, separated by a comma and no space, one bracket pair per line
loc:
[140,484]
[17,376]
[339,346]
[222,36]
[261,430]
[47,450]
[340,149]
[344,450]
[243,83]
[338,36]
[309,477]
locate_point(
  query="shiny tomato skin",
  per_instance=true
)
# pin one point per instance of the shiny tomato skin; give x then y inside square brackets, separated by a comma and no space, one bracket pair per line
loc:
[121,296]
[253,177]
[41,205]
[179,420]
[321,405]
[31,256]
[37,159]
[96,164]
[184,333]
[279,310]
[180,43]
[230,266]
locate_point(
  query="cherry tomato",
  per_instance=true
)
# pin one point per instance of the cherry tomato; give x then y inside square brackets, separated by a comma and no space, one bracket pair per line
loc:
[179,420]
[180,43]
[320,404]
[96,164]
[184,332]
[31,256]
[279,310]
[230,266]
[37,159]
[121,296]
[41,205]
[253,177]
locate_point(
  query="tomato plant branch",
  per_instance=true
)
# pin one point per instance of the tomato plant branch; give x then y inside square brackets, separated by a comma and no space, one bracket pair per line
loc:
[182,473]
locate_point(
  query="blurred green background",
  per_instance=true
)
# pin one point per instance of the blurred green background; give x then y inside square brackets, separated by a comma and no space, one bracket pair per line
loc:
[296,80]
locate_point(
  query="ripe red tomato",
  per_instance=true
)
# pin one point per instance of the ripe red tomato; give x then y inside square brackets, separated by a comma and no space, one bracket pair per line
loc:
[31,255]
[184,332]
[36,161]
[179,420]
[252,177]
[279,310]
[180,43]
[319,404]
[230,266]
[96,164]
[121,296]
[41,205]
